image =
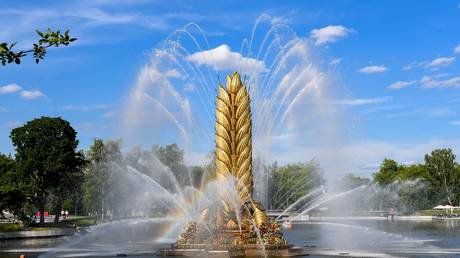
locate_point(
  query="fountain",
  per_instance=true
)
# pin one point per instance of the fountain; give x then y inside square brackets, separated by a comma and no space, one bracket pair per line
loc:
[237,225]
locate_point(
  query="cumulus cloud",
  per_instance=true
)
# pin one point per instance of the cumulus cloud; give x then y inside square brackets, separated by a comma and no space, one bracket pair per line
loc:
[430,82]
[222,58]
[31,94]
[401,84]
[373,69]
[360,102]
[440,61]
[10,88]
[328,34]
[457,49]
[25,94]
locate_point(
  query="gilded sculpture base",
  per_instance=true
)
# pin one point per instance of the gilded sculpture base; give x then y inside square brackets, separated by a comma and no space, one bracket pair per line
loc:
[268,242]
[218,234]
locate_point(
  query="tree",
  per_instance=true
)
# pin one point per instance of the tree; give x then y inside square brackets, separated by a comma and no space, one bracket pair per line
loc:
[69,188]
[99,175]
[442,174]
[388,172]
[197,176]
[351,181]
[173,157]
[12,197]
[291,182]
[412,172]
[47,39]
[46,157]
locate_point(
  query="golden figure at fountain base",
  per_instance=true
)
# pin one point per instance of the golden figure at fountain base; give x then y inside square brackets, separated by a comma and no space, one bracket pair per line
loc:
[243,230]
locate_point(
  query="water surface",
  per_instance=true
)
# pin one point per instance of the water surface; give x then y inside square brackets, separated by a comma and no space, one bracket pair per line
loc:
[364,238]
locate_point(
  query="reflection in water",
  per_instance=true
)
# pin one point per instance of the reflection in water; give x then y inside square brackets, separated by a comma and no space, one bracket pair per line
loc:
[399,238]
[366,238]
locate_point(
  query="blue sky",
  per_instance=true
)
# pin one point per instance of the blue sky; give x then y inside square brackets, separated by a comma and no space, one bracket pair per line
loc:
[394,68]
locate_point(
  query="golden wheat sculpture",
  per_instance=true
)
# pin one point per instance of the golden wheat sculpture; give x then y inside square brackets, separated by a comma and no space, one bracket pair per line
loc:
[233,155]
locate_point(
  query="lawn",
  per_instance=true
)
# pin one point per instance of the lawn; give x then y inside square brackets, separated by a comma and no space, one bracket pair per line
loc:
[10,227]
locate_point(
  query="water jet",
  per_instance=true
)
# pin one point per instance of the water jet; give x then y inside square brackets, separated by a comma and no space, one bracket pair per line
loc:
[238,225]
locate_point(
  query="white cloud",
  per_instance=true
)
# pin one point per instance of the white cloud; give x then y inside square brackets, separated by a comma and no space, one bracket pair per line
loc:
[401,84]
[457,49]
[440,61]
[429,82]
[360,102]
[455,122]
[10,88]
[328,34]
[25,94]
[335,61]
[31,94]
[373,69]
[222,58]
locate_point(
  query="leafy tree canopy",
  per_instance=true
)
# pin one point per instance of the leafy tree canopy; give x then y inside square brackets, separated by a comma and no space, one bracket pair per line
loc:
[443,175]
[387,173]
[293,181]
[46,156]
[350,181]
[12,196]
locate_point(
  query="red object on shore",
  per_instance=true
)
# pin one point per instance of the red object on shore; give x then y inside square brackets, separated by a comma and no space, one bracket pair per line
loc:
[46,214]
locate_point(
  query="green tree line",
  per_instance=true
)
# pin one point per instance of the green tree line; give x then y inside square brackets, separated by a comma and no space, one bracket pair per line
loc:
[438,179]
[409,187]
[49,173]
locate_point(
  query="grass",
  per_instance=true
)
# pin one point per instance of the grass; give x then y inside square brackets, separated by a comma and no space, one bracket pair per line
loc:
[84,221]
[10,227]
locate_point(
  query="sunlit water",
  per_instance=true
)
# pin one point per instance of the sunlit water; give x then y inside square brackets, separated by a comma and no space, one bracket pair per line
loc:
[366,238]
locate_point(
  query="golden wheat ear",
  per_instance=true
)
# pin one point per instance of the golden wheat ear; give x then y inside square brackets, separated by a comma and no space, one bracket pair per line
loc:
[234,135]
